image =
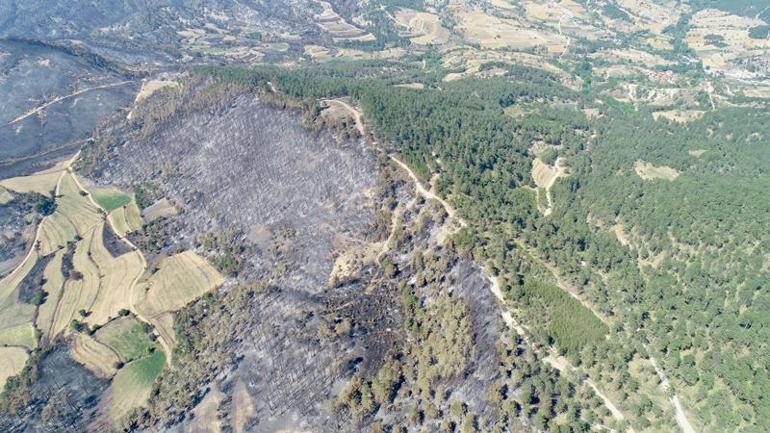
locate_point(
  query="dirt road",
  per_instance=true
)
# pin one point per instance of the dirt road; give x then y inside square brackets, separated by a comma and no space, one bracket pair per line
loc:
[61,98]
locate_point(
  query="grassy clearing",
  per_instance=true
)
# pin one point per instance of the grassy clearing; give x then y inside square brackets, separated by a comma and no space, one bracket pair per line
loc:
[127,337]
[14,359]
[110,198]
[132,384]
[569,323]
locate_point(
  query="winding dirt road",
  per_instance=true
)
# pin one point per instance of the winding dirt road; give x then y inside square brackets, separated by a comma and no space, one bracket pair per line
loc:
[558,363]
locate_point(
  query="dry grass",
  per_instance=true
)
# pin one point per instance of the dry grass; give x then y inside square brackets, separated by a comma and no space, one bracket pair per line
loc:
[14,359]
[14,316]
[243,407]
[74,215]
[337,27]
[126,219]
[93,355]
[679,116]
[493,32]
[54,285]
[116,276]
[206,416]
[43,183]
[423,28]
[733,30]
[5,196]
[647,171]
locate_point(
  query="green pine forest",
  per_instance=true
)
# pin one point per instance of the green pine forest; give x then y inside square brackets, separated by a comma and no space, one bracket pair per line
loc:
[690,285]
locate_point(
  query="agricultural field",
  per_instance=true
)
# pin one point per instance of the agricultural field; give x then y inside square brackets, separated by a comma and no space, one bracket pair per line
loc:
[179,280]
[339,216]
[132,384]
[422,28]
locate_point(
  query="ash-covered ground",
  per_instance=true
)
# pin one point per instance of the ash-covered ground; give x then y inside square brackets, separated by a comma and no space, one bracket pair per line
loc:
[297,201]
[32,75]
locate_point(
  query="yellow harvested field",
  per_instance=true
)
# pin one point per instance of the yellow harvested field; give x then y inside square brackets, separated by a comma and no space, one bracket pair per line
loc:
[11,281]
[472,60]
[93,355]
[14,359]
[53,285]
[647,171]
[679,116]
[493,32]
[74,215]
[126,219]
[19,335]
[117,275]
[554,11]
[180,279]
[424,28]
[545,175]
[78,293]
[43,183]
[160,209]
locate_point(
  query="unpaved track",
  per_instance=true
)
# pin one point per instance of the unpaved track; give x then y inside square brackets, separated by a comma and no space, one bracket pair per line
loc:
[132,288]
[61,98]
[494,282]
[681,418]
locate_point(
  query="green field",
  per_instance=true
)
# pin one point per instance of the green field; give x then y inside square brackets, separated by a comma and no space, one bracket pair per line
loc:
[127,337]
[132,385]
[111,199]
